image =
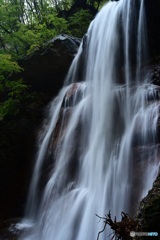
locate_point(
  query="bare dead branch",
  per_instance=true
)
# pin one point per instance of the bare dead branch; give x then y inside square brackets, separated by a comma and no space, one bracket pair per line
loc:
[121,229]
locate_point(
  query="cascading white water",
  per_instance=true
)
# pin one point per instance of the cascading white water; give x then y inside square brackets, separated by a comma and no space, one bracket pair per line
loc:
[115,118]
[31,208]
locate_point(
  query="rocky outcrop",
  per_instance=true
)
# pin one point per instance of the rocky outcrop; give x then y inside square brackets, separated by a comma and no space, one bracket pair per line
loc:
[46,68]
[148,214]
[44,71]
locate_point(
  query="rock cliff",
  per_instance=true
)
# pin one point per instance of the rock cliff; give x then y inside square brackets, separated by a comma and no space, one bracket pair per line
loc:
[44,71]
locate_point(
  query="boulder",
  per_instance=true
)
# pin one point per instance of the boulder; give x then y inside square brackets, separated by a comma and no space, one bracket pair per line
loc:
[46,68]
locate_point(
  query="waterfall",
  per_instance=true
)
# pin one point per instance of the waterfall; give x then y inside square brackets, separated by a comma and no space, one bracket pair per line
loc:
[105,154]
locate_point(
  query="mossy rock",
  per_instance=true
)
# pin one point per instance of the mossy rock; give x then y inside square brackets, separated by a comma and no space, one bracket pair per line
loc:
[149,211]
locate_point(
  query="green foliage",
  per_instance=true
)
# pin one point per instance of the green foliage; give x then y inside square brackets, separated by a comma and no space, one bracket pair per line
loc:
[79,22]
[24,26]
[7,65]
[97,4]
[12,105]
[13,102]
[11,92]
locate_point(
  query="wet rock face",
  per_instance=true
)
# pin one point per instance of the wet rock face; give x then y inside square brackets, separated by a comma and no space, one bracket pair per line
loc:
[148,213]
[46,68]
[72,97]
[142,158]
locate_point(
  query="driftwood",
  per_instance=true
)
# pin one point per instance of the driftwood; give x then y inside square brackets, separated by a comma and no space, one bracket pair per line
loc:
[121,229]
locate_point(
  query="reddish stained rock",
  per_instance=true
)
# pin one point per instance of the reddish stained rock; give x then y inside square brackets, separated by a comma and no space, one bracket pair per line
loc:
[71,98]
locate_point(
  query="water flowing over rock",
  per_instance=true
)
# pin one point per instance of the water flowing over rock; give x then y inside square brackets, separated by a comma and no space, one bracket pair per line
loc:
[94,158]
[44,72]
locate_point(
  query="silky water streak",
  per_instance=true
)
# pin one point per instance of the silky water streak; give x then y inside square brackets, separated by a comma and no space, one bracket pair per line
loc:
[106,157]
